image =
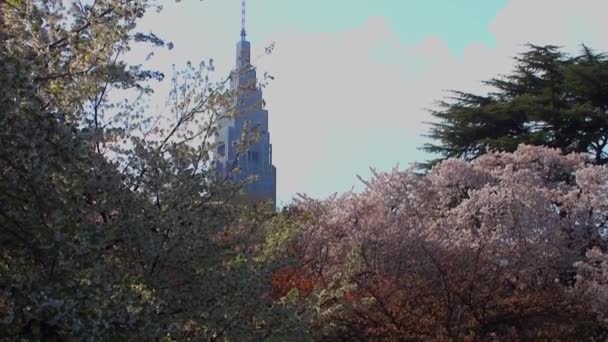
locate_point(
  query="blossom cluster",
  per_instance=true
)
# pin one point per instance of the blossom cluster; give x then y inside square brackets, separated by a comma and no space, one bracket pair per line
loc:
[494,246]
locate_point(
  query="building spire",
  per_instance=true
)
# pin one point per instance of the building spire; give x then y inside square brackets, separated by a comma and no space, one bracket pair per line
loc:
[243,31]
[243,53]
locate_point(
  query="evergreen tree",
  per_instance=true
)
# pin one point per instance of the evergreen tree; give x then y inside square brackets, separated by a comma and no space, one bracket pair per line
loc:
[550,99]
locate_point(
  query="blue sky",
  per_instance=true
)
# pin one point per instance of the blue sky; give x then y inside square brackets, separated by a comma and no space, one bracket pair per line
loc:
[353,79]
[411,20]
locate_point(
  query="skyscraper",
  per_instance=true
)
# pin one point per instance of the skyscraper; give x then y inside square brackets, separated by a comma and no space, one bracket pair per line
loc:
[256,160]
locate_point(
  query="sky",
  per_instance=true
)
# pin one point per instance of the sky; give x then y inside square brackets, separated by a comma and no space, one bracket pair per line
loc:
[354,79]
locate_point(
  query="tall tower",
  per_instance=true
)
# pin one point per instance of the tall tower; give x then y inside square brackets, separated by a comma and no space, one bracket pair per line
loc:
[257,159]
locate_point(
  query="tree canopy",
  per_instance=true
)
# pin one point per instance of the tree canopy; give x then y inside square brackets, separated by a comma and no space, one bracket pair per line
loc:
[549,99]
[509,247]
[113,224]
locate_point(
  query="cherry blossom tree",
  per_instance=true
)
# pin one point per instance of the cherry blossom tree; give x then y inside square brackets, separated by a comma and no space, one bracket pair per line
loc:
[507,246]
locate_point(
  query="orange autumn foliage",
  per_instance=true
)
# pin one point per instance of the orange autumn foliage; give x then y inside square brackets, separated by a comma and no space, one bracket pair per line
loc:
[288,278]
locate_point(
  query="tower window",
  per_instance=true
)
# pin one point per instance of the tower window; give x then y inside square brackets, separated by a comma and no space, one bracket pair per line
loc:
[221,149]
[253,156]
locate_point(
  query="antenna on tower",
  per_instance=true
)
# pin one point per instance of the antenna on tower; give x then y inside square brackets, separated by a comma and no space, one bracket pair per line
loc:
[243,32]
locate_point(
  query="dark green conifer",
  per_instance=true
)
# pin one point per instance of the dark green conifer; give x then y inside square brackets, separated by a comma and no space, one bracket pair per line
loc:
[550,99]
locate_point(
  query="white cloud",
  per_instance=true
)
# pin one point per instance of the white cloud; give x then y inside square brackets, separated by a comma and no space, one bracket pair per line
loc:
[561,22]
[344,101]
[335,110]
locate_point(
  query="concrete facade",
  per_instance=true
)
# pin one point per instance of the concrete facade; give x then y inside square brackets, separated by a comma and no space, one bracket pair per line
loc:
[256,160]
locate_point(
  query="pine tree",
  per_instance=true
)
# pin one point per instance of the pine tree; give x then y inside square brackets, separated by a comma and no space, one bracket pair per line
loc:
[550,99]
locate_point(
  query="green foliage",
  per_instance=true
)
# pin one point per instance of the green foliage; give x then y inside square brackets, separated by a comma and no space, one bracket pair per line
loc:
[280,232]
[113,223]
[550,99]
